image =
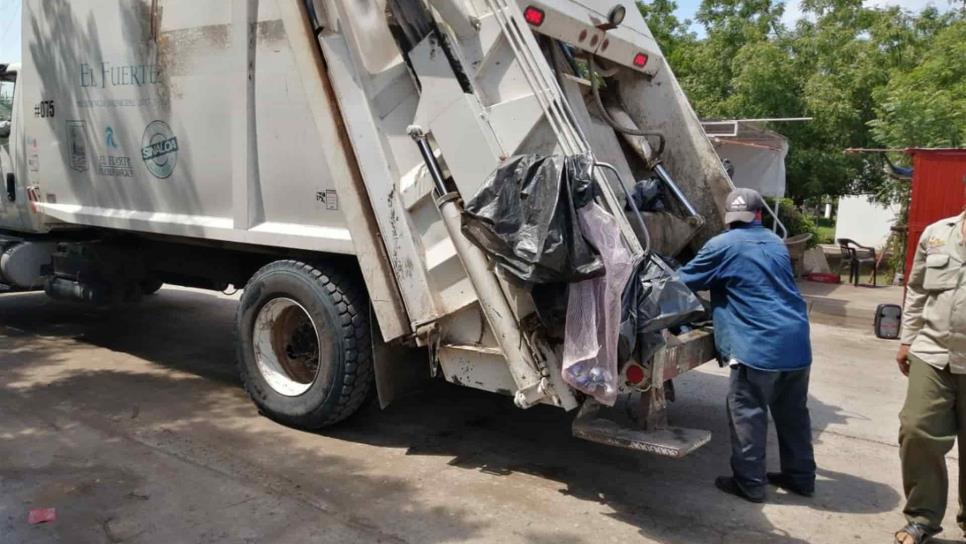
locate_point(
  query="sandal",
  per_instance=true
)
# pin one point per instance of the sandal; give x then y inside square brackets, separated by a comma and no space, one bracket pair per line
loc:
[916,533]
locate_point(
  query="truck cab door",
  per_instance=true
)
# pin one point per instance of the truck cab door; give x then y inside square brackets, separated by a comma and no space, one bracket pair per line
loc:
[14,205]
[12,198]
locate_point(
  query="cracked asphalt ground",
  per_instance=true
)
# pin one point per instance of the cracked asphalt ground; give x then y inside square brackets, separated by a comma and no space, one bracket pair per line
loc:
[132,424]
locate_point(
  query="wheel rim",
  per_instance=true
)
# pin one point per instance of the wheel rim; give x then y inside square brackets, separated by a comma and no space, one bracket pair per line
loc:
[288,347]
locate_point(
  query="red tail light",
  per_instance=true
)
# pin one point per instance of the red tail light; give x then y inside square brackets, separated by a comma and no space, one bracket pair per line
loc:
[533,15]
[634,374]
[640,60]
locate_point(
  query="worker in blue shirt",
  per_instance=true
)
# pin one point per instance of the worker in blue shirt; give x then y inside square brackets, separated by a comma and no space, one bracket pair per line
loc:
[761,330]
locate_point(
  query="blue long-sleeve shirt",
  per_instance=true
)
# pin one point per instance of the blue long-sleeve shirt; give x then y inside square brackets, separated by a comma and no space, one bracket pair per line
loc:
[760,318]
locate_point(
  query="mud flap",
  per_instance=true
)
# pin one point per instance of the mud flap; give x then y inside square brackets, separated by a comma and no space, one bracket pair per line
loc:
[400,370]
[608,426]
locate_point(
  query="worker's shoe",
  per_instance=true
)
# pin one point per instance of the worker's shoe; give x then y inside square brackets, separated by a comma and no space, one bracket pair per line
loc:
[730,486]
[782,481]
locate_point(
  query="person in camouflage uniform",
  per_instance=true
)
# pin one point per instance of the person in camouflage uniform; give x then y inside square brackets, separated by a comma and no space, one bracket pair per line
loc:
[933,356]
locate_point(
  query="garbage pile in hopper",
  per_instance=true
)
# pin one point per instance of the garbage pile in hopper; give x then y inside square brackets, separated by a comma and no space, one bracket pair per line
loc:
[537,218]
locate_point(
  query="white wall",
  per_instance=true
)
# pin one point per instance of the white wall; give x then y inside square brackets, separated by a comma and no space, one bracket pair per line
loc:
[865,222]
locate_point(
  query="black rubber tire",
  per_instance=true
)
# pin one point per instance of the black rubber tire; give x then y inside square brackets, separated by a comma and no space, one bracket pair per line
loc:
[333,298]
[151,286]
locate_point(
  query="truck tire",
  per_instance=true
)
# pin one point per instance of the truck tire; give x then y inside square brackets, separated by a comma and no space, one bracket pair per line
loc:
[151,286]
[304,349]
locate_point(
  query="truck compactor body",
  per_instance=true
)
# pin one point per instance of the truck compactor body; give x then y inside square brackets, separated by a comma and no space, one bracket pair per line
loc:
[317,153]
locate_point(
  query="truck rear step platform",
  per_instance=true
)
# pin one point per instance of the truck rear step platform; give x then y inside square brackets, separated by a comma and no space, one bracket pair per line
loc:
[608,426]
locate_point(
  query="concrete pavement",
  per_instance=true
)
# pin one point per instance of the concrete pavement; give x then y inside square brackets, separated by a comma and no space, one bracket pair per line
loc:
[132,424]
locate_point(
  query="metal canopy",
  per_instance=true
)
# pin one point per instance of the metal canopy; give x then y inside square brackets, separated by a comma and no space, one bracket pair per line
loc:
[757,154]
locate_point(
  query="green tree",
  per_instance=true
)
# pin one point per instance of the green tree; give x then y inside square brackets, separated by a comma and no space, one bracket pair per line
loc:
[926,106]
[670,32]
[867,76]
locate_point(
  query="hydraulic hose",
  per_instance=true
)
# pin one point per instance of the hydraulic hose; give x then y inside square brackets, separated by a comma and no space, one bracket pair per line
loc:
[595,76]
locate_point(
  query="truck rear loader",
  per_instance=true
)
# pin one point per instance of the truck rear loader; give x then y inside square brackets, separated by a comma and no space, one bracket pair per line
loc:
[318,154]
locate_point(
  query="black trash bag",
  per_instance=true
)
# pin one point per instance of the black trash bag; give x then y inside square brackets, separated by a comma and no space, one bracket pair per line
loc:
[648,196]
[654,300]
[550,303]
[525,218]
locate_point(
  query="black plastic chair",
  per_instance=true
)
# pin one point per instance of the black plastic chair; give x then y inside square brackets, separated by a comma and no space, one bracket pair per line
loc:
[848,259]
[855,255]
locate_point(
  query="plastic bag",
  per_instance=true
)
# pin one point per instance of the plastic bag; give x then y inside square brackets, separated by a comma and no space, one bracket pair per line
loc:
[525,218]
[594,311]
[654,299]
[648,196]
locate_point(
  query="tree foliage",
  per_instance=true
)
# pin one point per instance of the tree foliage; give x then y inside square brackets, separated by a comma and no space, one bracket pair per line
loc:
[868,76]
[927,104]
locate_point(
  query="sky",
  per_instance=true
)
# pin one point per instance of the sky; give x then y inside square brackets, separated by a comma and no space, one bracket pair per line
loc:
[10,18]
[9,30]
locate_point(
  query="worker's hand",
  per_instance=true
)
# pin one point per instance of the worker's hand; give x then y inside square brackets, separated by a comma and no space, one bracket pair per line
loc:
[903,359]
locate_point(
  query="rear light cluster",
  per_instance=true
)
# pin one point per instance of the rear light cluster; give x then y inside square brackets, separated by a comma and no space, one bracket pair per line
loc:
[535,16]
[33,196]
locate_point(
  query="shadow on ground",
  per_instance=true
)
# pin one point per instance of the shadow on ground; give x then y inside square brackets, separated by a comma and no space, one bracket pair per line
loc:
[193,333]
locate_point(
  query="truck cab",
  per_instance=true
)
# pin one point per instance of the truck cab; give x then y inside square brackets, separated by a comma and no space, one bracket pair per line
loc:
[18,158]
[25,248]
[10,213]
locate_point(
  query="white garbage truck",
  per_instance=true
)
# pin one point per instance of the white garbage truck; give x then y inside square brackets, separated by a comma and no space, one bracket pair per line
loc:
[319,155]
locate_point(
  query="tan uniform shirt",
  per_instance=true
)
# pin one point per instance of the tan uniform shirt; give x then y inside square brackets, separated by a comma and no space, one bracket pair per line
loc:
[934,320]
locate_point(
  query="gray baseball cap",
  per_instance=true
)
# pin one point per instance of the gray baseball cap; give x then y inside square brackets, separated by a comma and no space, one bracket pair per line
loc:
[742,205]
